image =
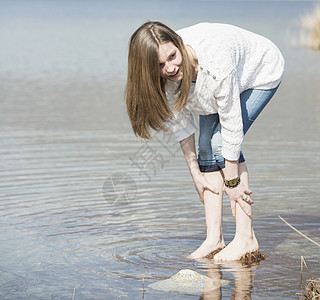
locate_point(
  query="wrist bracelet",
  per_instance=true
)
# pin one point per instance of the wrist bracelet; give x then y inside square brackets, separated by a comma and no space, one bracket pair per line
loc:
[232,183]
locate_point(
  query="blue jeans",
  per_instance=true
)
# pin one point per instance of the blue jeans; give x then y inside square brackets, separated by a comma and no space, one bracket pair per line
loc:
[210,158]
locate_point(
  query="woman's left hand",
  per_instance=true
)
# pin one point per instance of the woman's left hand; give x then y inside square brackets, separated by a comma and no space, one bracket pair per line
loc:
[240,195]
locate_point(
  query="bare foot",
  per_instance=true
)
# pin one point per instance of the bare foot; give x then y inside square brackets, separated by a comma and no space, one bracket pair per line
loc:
[207,248]
[237,248]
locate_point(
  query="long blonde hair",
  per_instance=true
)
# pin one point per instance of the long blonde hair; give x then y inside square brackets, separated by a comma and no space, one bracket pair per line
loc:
[145,91]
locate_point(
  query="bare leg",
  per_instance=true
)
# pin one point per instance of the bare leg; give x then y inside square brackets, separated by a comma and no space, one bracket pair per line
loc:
[213,213]
[244,240]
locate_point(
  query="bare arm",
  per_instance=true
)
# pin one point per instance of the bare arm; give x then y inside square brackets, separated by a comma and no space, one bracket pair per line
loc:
[231,169]
[189,152]
[240,193]
[229,110]
[200,182]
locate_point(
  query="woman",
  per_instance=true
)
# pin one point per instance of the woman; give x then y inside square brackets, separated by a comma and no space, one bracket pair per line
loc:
[226,75]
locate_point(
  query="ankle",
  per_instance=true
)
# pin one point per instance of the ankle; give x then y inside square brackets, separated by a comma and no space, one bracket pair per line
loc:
[245,235]
[215,240]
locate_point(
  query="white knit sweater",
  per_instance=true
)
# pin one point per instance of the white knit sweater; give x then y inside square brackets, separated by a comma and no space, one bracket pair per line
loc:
[231,60]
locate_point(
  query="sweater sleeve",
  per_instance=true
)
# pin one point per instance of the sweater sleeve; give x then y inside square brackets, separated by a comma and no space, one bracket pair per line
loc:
[229,110]
[182,125]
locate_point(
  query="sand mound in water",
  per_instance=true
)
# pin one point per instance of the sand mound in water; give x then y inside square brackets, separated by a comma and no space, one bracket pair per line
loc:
[188,282]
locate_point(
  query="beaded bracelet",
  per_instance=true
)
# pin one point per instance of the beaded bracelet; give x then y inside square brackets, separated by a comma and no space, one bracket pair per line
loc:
[232,183]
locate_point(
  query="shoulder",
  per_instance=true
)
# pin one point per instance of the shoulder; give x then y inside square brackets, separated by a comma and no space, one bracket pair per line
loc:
[213,37]
[207,37]
[204,28]
[198,31]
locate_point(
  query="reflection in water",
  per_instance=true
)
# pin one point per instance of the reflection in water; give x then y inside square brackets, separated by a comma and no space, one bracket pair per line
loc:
[243,279]
[243,275]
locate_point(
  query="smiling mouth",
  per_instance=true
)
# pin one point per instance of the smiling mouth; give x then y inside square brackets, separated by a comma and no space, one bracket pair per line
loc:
[175,73]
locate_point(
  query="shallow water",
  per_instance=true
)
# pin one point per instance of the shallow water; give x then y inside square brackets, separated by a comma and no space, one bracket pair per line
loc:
[86,208]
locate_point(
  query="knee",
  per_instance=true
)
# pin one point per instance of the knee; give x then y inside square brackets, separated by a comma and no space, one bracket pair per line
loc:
[205,151]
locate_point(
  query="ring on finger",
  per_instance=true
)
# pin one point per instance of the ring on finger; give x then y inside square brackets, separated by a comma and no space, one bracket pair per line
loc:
[245,198]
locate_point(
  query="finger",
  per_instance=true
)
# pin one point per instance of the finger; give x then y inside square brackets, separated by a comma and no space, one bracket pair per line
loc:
[201,194]
[248,192]
[247,199]
[233,207]
[244,208]
[213,189]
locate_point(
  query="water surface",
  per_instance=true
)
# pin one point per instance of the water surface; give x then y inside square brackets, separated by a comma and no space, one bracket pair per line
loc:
[85,207]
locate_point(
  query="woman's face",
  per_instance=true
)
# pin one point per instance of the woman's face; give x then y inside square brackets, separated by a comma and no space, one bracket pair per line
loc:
[170,61]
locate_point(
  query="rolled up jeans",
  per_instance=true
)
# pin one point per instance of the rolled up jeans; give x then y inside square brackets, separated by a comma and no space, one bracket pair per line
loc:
[210,158]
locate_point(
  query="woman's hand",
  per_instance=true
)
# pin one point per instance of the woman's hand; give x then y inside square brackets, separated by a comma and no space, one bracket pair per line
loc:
[202,184]
[200,181]
[240,195]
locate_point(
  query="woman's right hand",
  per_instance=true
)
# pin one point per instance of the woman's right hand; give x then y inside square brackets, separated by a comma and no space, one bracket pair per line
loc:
[202,184]
[199,180]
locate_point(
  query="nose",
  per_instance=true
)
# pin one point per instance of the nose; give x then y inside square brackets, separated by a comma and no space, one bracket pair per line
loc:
[169,68]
